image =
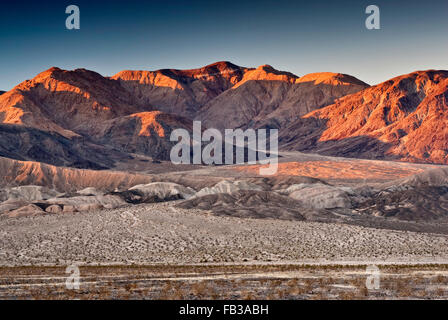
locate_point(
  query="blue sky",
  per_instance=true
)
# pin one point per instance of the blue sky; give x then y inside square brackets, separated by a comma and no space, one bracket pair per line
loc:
[297,36]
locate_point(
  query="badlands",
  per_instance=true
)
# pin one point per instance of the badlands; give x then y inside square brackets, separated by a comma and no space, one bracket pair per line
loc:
[226,233]
[316,209]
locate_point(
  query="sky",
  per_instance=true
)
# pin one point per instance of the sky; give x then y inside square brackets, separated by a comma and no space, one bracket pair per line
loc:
[296,36]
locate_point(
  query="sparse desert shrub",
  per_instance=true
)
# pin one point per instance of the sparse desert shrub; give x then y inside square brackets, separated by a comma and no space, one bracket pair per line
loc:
[440,279]
[363,291]
[347,295]
[293,283]
[199,289]
[165,292]
[309,285]
[440,293]
[247,295]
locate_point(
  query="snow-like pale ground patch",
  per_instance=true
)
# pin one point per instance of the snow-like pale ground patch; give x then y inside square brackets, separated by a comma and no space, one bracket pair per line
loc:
[159,233]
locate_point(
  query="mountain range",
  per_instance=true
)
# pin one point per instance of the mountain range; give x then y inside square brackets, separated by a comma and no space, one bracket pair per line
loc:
[404,118]
[82,119]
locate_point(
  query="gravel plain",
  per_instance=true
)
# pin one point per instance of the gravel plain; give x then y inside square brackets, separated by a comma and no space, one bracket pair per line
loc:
[159,233]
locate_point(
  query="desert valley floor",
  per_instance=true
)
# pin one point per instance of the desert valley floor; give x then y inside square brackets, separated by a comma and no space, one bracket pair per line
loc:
[385,213]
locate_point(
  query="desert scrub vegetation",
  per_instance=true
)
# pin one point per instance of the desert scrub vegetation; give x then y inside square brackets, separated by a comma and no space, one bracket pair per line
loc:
[226,282]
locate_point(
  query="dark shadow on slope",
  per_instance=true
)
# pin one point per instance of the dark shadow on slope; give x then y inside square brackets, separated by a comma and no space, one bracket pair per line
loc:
[248,204]
[75,112]
[29,144]
[137,197]
[305,133]
[416,203]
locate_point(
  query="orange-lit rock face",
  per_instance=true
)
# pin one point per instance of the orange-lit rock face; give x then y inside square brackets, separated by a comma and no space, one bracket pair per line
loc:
[180,79]
[148,122]
[266,73]
[144,133]
[9,113]
[340,170]
[404,118]
[149,78]
[401,99]
[330,78]
[19,109]
[16,172]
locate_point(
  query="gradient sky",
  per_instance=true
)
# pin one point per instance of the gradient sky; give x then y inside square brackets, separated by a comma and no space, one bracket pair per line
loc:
[297,36]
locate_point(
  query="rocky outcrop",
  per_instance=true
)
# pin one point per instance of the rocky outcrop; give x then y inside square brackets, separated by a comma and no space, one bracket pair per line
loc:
[88,203]
[13,204]
[162,191]
[26,211]
[31,193]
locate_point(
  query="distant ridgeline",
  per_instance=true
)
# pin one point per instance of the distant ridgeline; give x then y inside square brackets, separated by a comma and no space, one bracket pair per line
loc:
[81,119]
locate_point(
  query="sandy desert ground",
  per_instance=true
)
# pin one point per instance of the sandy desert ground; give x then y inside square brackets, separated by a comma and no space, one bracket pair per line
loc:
[228,233]
[162,233]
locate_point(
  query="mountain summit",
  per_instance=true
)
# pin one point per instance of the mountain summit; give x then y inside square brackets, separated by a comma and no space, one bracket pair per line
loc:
[182,92]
